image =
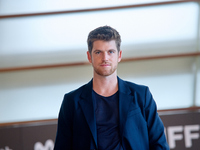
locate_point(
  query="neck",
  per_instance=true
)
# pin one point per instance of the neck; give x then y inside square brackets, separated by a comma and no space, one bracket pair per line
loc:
[105,85]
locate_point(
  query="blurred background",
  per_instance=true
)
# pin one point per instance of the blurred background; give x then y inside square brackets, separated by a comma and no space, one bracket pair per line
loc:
[43,51]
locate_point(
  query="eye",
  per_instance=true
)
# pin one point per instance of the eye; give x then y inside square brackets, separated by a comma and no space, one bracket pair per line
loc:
[111,52]
[97,52]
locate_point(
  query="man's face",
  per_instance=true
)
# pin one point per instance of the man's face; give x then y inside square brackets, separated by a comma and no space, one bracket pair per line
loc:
[104,57]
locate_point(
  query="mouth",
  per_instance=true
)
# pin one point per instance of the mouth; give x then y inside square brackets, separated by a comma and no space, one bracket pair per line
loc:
[105,65]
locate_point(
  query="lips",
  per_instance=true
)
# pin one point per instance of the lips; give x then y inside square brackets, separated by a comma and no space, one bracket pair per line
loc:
[105,65]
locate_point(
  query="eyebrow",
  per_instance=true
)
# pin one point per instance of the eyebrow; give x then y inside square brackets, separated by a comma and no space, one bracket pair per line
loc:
[107,50]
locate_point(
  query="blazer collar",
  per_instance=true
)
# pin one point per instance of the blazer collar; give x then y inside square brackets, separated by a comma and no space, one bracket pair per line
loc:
[125,100]
[87,105]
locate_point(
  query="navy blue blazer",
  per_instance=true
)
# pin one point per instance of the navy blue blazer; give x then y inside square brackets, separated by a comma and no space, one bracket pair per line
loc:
[140,126]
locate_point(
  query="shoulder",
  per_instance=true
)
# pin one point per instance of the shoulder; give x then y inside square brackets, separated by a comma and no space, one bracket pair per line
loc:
[138,88]
[75,93]
[141,93]
[79,92]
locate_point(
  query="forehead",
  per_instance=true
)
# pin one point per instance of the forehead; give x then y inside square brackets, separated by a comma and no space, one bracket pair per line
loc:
[104,45]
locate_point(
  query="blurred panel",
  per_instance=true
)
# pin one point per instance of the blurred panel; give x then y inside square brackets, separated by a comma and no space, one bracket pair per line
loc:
[198,83]
[37,136]
[23,6]
[65,35]
[10,138]
[38,94]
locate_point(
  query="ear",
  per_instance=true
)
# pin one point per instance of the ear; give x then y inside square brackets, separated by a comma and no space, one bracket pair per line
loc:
[119,56]
[89,57]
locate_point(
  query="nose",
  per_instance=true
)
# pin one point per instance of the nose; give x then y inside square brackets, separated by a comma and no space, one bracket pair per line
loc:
[105,56]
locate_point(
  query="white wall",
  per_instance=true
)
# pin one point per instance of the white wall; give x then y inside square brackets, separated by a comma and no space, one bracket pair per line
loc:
[37,94]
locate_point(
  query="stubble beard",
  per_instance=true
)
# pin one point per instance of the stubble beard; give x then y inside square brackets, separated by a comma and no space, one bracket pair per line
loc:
[104,71]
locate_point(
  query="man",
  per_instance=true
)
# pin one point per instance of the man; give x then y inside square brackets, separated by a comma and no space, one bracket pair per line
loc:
[108,113]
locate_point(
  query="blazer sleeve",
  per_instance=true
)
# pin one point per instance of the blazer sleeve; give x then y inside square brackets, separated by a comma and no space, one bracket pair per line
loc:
[64,128]
[157,138]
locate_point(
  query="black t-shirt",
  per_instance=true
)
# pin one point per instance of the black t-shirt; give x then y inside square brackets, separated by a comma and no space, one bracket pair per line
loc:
[107,121]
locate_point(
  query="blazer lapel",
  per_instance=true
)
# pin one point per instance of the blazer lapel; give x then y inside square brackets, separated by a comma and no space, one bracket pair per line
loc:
[87,106]
[125,100]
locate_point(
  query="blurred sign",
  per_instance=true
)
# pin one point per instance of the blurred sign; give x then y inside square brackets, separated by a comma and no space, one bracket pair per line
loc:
[182,131]
[28,137]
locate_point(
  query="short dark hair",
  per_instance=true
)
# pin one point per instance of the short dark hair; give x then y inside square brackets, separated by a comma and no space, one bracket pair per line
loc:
[105,33]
